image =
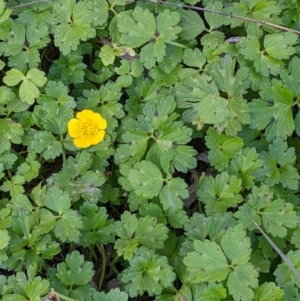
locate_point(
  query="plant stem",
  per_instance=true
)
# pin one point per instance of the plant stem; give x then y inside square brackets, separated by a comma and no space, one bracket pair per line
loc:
[102,252]
[64,297]
[229,15]
[70,247]
[283,257]
[63,150]
[112,268]
[112,9]
[176,44]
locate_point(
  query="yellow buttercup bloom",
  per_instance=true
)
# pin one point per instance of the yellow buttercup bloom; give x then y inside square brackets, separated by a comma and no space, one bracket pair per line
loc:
[88,128]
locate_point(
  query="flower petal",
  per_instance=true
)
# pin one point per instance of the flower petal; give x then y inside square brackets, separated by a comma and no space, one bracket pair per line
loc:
[74,128]
[98,138]
[101,122]
[85,115]
[82,142]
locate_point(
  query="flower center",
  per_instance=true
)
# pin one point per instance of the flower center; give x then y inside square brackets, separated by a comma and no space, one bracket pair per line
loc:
[89,129]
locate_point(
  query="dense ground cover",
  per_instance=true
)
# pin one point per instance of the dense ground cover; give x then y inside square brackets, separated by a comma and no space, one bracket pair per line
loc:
[149,151]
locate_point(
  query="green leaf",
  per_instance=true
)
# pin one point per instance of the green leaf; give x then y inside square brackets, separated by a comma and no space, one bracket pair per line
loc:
[142,21]
[263,63]
[109,97]
[184,158]
[75,270]
[36,288]
[192,25]
[148,272]
[274,214]
[214,20]
[211,292]
[236,246]
[34,37]
[214,44]
[211,110]
[172,194]
[244,165]
[291,77]
[136,144]
[291,292]
[57,200]
[100,10]
[26,243]
[13,77]
[222,148]
[141,27]
[134,232]
[13,39]
[268,291]
[7,96]
[190,92]
[37,77]
[14,186]
[30,83]
[107,55]
[28,289]
[78,180]
[296,238]
[273,111]
[4,12]
[127,71]
[30,168]
[146,179]
[257,10]
[41,16]
[253,138]
[279,45]
[176,218]
[112,295]
[239,114]
[46,143]
[171,64]
[28,92]
[4,240]
[57,106]
[74,24]
[166,74]
[194,58]
[278,166]
[66,222]
[5,218]
[234,85]
[229,260]
[283,272]
[208,262]
[197,233]
[220,193]
[10,132]
[260,261]
[242,281]
[69,68]
[169,150]
[96,227]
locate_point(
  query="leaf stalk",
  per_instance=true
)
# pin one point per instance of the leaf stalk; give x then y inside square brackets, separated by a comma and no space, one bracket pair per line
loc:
[229,15]
[102,252]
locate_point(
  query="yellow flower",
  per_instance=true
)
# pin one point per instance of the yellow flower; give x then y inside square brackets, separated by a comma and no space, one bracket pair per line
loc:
[87,128]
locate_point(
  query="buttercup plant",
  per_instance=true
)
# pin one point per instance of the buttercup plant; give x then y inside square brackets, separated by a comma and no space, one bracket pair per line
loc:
[149,150]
